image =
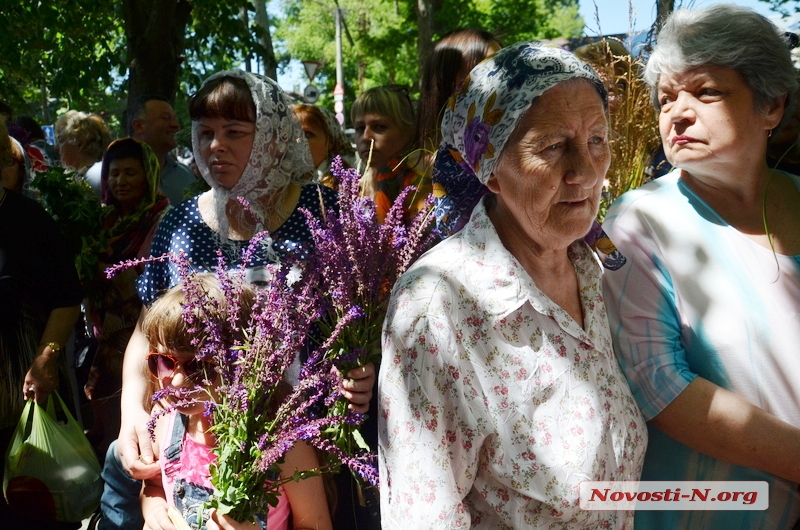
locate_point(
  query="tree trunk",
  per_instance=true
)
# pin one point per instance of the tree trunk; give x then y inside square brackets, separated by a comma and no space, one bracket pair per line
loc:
[426,26]
[262,20]
[246,23]
[155,31]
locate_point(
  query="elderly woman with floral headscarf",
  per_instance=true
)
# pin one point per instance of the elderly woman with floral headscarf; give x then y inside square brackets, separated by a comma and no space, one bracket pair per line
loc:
[250,149]
[499,390]
[129,183]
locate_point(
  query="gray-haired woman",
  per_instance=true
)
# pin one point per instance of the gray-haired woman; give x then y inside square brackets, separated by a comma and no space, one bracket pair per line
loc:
[499,390]
[704,313]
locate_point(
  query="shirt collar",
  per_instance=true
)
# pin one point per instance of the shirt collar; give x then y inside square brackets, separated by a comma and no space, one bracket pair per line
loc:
[505,285]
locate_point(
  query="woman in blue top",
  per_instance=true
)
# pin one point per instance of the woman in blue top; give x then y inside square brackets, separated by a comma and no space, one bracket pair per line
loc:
[704,312]
[251,150]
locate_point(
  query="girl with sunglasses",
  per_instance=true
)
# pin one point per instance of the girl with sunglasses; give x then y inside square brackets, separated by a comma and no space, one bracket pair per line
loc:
[184,479]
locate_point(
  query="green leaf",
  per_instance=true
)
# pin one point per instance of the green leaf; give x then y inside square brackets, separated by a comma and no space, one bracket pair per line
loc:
[360,440]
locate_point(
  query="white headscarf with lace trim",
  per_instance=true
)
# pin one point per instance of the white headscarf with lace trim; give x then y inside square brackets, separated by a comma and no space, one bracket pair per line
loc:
[280,154]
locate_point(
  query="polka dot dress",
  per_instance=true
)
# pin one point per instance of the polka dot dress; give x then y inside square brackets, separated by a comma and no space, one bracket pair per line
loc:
[183,229]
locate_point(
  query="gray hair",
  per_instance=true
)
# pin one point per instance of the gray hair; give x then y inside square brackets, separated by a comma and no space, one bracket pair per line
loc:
[731,37]
[87,131]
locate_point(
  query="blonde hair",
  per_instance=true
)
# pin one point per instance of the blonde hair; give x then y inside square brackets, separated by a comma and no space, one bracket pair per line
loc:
[165,325]
[393,102]
[87,131]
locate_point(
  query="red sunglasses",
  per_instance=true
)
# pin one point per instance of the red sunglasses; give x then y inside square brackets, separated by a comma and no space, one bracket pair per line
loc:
[162,366]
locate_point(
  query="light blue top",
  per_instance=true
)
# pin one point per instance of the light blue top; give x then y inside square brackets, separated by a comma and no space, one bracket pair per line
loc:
[698,298]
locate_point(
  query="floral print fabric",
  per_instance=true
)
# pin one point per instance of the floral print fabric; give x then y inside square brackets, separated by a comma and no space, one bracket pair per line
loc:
[494,404]
[480,117]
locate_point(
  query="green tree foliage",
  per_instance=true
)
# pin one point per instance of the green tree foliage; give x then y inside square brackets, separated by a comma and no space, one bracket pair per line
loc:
[76,51]
[70,49]
[384,32]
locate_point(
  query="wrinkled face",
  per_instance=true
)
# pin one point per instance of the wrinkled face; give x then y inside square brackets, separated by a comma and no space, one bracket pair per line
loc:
[317,139]
[708,120]
[551,170]
[389,138]
[225,147]
[158,127]
[127,182]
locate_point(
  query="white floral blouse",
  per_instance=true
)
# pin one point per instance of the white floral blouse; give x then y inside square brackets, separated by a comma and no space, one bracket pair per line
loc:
[494,403]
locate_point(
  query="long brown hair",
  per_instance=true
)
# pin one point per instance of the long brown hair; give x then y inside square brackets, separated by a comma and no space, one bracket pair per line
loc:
[456,53]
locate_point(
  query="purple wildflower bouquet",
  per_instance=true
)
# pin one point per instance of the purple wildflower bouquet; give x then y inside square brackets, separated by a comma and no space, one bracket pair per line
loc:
[357,261]
[331,306]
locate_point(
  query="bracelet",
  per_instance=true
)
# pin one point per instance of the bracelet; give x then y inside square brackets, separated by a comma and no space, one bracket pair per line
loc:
[56,347]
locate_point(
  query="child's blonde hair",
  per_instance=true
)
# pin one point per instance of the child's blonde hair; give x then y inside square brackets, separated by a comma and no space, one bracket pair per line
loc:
[164,324]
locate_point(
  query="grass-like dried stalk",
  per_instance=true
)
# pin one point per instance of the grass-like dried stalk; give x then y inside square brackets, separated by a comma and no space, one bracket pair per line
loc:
[634,127]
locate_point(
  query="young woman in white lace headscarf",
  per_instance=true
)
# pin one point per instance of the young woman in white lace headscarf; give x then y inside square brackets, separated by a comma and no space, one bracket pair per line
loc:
[251,150]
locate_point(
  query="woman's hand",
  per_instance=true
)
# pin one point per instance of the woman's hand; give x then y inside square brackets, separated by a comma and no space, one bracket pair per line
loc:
[224,522]
[357,388]
[134,447]
[42,376]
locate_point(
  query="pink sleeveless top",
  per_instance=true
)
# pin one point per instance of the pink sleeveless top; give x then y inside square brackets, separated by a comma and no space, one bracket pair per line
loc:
[194,461]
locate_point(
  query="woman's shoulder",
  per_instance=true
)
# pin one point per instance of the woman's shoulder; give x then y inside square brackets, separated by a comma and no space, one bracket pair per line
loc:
[184,218]
[655,198]
[439,274]
[181,213]
[310,195]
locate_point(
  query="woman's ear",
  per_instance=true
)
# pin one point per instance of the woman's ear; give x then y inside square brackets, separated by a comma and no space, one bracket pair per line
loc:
[776,111]
[492,184]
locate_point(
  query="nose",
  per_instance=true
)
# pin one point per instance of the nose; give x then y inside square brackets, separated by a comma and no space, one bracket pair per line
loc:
[178,376]
[216,144]
[367,136]
[173,124]
[587,165]
[682,109]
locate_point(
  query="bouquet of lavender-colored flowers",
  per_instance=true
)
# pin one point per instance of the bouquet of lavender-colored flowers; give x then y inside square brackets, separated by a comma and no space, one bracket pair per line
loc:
[330,306]
[359,260]
[257,417]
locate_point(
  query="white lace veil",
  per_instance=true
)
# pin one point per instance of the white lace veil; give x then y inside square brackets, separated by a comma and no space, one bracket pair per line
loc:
[280,155]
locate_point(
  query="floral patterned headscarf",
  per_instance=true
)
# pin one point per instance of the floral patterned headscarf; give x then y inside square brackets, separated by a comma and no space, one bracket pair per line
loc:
[280,153]
[480,117]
